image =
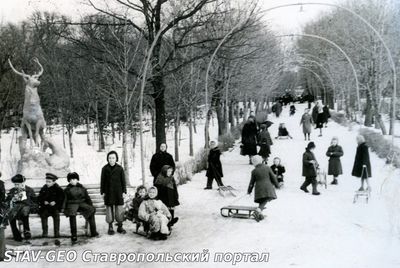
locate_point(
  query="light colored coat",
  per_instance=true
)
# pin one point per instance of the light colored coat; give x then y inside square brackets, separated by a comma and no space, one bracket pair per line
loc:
[156,214]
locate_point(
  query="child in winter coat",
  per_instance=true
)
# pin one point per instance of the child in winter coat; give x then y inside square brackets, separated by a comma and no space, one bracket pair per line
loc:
[307,121]
[51,200]
[21,201]
[283,132]
[214,169]
[292,110]
[155,213]
[167,191]
[265,142]
[133,213]
[278,170]
[263,181]
[334,153]
[77,200]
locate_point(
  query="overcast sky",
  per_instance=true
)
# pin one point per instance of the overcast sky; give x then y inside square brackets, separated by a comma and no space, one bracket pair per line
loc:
[285,20]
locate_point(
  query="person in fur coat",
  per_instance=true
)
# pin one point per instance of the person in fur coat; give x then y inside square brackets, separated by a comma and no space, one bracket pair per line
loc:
[156,213]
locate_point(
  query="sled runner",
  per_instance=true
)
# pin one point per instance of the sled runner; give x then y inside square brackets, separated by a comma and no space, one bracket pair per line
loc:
[365,194]
[321,177]
[223,190]
[238,212]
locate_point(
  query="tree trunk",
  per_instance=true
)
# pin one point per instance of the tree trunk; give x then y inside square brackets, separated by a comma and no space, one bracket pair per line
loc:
[246,109]
[207,129]
[113,133]
[176,135]
[99,130]
[125,151]
[237,113]
[89,143]
[232,113]
[70,130]
[368,110]
[159,102]
[191,131]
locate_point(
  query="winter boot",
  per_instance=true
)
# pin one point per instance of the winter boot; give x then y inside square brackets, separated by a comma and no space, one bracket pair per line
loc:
[56,226]
[120,229]
[314,189]
[72,224]
[45,227]
[92,224]
[209,183]
[110,229]
[304,188]
[334,182]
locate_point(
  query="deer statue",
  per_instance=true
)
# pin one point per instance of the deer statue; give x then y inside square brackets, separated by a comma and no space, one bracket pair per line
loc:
[32,123]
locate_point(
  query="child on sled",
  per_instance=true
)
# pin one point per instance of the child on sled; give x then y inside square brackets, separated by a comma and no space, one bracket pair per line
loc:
[278,170]
[283,133]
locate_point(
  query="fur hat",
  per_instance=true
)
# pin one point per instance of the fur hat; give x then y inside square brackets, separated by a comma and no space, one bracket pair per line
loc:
[18,178]
[310,145]
[72,175]
[51,176]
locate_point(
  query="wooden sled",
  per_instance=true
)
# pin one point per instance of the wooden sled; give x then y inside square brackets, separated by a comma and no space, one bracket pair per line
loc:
[364,194]
[223,190]
[238,212]
[322,178]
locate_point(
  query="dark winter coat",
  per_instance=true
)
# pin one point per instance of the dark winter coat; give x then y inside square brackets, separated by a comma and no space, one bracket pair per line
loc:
[135,206]
[306,121]
[77,200]
[362,158]
[265,142]
[54,193]
[327,114]
[113,185]
[335,166]
[2,192]
[167,190]
[314,113]
[159,160]
[278,109]
[19,203]
[283,132]
[292,109]
[249,139]
[309,169]
[278,170]
[214,169]
[263,181]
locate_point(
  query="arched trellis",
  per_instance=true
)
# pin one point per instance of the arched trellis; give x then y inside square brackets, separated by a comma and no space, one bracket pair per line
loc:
[343,53]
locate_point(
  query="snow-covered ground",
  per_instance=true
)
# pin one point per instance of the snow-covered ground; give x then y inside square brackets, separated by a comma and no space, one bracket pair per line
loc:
[300,230]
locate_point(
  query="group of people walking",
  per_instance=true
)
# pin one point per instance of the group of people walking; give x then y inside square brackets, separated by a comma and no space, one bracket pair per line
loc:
[266,179]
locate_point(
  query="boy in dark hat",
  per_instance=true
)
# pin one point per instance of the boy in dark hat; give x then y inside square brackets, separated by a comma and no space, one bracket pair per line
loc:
[310,166]
[51,198]
[21,200]
[77,200]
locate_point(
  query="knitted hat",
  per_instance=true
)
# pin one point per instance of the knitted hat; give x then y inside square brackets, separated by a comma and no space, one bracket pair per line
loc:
[310,145]
[51,176]
[18,178]
[72,175]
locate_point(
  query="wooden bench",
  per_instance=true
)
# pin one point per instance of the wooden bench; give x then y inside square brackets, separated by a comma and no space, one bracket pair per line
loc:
[94,194]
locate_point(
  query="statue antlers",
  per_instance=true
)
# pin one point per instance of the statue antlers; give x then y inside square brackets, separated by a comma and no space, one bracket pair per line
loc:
[32,122]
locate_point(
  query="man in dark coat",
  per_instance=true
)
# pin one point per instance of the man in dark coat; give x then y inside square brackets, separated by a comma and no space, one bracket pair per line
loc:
[327,114]
[249,138]
[77,200]
[334,153]
[51,200]
[263,181]
[113,189]
[21,201]
[214,169]
[160,159]
[310,166]
[362,165]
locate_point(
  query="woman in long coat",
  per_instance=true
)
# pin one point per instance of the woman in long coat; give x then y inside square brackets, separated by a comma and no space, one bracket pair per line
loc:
[362,165]
[265,142]
[334,153]
[113,187]
[263,181]
[307,121]
[249,138]
[309,171]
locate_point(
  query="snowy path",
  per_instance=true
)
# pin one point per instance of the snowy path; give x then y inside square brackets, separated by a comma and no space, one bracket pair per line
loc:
[300,230]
